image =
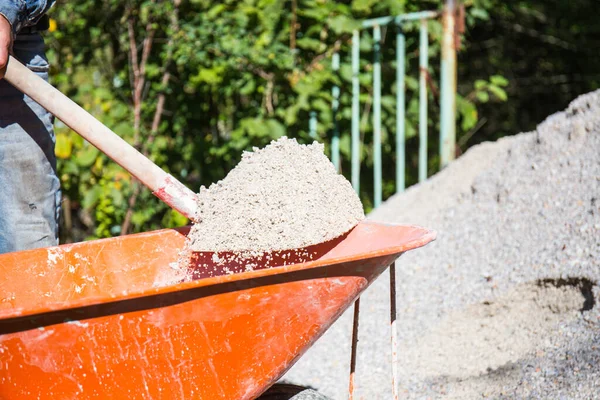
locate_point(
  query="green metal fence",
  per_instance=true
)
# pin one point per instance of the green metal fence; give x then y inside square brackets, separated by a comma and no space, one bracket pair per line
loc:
[447,97]
[447,128]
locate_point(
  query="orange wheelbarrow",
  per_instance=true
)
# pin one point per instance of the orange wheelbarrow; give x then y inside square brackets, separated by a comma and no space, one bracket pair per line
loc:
[94,320]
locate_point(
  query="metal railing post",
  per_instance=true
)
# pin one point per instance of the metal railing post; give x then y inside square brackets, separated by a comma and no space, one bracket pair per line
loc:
[335,104]
[400,108]
[377,164]
[312,125]
[355,111]
[448,86]
[423,71]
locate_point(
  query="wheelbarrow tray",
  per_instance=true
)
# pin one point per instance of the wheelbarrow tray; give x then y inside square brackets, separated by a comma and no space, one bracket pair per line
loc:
[88,320]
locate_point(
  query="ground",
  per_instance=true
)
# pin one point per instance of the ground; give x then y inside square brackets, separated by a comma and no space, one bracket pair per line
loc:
[503,304]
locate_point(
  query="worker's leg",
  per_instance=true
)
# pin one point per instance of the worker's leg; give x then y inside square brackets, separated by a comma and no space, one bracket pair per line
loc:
[29,186]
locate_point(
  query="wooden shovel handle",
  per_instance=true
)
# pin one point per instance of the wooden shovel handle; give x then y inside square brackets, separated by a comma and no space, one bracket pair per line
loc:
[163,185]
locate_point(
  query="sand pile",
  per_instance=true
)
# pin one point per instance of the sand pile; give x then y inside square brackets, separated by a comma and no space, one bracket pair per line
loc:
[270,210]
[284,196]
[504,303]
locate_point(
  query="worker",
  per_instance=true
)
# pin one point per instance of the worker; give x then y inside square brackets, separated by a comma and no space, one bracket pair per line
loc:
[29,186]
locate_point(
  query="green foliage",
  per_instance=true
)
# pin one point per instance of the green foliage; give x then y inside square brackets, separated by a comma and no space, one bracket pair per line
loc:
[544,50]
[240,74]
[483,92]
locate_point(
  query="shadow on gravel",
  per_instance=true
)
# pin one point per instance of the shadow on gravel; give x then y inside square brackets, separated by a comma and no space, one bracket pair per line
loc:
[483,337]
[570,371]
[584,285]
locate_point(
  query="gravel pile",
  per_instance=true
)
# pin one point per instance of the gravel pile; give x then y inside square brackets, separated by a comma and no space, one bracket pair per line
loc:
[504,303]
[284,196]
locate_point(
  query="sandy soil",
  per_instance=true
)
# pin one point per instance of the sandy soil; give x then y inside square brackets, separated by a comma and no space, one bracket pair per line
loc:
[284,196]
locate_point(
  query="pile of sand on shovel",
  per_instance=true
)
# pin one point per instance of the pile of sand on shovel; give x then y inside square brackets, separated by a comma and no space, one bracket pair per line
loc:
[282,197]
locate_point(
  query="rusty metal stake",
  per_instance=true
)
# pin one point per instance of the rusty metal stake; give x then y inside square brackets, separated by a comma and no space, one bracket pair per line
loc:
[354,346]
[394,327]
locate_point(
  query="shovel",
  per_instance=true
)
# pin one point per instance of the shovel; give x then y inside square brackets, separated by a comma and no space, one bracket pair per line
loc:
[163,185]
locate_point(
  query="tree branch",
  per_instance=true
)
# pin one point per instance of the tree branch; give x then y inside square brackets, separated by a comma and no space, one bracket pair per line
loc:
[293,25]
[133,56]
[327,53]
[268,99]
[158,112]
[160,105]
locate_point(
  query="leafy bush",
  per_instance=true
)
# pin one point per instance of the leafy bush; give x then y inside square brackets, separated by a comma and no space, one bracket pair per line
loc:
[192,84]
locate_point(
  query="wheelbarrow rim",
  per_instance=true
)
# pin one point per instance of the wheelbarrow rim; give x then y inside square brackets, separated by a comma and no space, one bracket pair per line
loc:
[425,236]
